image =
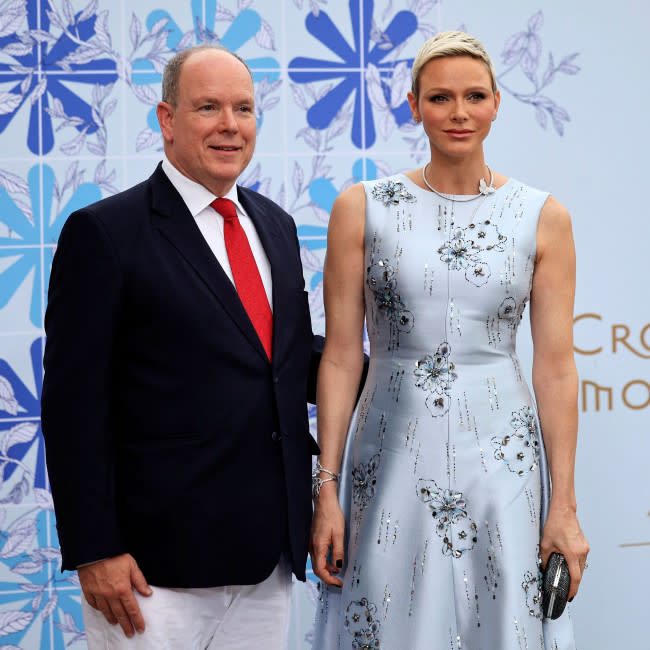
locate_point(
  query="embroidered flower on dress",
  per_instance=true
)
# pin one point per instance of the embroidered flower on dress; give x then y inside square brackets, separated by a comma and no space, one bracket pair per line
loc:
[363,481]
[392,192]
[519,450]
[532,589]
[510,311]
[453,523]
[467,248]
[381,279]
[361,623]
[435,374]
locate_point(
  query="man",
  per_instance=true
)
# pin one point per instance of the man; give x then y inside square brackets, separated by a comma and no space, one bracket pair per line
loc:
[174,401]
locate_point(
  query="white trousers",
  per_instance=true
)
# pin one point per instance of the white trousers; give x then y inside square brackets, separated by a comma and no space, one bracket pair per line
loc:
[246,617]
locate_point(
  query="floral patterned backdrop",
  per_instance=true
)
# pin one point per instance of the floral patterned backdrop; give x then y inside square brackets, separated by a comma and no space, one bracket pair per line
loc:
[79,82]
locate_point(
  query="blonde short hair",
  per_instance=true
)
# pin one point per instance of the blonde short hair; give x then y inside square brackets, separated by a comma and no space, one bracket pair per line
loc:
[450,44]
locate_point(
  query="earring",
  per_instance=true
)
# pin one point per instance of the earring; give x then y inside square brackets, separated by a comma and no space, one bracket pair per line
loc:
[494,118]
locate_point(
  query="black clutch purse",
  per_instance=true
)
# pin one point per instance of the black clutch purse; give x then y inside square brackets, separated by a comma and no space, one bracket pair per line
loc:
[555,586]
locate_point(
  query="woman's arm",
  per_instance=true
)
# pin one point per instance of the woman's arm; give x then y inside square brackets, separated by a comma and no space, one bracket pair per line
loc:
[340,369]
[555,380]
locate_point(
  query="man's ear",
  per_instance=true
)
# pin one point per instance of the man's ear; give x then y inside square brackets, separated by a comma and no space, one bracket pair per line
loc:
[165,114]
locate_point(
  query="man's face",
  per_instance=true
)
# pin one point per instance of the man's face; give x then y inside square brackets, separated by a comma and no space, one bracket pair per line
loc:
[210,135]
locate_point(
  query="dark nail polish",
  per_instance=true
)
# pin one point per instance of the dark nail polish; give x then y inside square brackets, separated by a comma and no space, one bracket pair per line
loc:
[339,564]
[570,599]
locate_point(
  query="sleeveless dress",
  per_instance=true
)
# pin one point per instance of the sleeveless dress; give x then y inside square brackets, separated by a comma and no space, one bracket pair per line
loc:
[444,481]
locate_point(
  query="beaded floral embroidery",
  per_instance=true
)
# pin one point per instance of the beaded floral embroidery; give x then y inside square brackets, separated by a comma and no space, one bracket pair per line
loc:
[382,281]
[519,450]
[392,192]
[453,523]
[363,481]
[531,587]
[361,622]
[435,374]
[467,248]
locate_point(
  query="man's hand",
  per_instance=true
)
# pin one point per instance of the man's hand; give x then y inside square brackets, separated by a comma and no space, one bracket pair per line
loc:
[108,586]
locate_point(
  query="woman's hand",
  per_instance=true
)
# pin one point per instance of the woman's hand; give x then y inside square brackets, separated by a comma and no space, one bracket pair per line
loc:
[562,534]
[328,529]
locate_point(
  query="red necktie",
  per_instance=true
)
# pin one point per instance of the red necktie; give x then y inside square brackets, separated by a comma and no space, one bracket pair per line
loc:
[245,273]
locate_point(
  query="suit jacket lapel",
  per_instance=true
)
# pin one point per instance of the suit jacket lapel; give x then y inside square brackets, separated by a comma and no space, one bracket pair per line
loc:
[176,224]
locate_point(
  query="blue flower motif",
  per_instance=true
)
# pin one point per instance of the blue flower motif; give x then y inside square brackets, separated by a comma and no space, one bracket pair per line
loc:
[26,240]
[352,66]
[164,30]
[22,411]
[41,71]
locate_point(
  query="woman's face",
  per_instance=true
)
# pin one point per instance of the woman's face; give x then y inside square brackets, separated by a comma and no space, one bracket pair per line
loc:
[456,104]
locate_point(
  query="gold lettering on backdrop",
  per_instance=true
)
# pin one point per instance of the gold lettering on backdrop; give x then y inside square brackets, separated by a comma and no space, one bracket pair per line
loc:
[630,384]
[575,347]
[642,337]
[598,390]
[616,339]
[635,394]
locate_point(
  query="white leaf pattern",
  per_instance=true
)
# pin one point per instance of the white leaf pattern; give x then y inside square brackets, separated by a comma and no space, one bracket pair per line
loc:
[8,402]
[14,621]
[265,37]
[9,102]
[400,84]
[101,30]
[23,432]
[373,85]
[145,139]
[20,539]
[17,49]
[39,90]
[44,499]
[50,606]
[27,568]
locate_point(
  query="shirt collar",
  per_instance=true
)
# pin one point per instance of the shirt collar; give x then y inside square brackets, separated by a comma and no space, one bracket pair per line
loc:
[195,196]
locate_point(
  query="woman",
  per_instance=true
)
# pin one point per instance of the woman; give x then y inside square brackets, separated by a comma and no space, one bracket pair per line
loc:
[444,477]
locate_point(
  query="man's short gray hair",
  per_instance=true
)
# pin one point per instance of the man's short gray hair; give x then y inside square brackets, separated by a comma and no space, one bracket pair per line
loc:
[172,71]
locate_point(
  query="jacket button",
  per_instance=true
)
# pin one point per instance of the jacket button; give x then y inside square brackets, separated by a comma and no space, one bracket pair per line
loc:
[276,379]
[275,436]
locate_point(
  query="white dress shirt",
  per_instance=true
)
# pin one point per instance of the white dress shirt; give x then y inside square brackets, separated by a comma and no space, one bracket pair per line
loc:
[197,199]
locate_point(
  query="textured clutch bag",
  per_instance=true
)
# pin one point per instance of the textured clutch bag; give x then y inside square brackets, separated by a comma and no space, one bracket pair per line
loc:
[555,586]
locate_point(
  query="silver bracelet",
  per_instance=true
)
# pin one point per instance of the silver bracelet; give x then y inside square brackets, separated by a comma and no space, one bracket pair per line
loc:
[317,481]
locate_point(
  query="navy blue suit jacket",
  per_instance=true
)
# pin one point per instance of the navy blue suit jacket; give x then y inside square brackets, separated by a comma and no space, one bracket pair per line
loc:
[185,446]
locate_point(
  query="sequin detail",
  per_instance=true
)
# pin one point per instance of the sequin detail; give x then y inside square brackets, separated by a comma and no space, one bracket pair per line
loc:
[453,523]
[519,450]
[435,375]
[361,622]
[392,192]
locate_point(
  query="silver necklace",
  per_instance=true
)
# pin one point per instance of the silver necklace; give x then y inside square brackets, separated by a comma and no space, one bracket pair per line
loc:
[483,188]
